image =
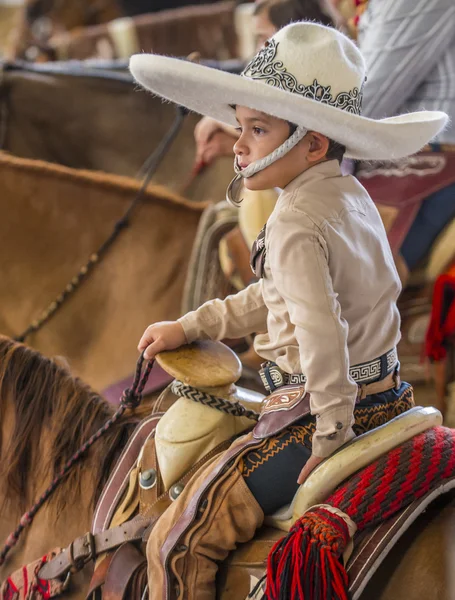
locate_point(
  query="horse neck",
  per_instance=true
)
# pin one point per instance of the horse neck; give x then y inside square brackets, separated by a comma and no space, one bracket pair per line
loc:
[51,528]
[62,518]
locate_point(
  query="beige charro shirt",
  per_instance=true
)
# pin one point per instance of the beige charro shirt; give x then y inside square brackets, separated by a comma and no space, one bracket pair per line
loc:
[327,299]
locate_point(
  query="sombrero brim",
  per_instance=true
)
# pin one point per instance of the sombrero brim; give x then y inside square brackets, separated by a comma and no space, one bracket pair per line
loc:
[212,92]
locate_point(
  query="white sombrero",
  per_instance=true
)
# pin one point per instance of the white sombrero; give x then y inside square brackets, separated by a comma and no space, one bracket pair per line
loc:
[307,74]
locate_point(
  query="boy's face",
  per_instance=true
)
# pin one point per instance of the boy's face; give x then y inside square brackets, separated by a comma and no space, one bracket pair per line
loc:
[261,134]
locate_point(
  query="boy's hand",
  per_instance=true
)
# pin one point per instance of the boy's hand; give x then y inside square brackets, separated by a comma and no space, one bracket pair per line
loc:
[166,335]
[311,464]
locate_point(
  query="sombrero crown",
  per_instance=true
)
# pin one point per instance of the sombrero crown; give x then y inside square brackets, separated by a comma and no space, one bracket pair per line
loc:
[307,74]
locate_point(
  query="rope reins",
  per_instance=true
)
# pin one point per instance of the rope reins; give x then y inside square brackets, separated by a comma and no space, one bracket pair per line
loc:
[147,170]
[131,398]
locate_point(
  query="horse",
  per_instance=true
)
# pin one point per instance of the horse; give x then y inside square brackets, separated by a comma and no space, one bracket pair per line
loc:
[208,29]
[46,414]
[47,29]
[94,118]
[54,219]
[40,20]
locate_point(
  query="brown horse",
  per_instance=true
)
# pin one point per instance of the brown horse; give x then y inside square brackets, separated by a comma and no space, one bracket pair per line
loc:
[208,29]
[45,417]
[46,414]
[53,219]
[96,119]
[51,29]
[41,20]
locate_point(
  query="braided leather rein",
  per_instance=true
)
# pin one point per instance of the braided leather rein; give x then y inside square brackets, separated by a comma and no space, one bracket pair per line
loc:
[131,398]
[231,408]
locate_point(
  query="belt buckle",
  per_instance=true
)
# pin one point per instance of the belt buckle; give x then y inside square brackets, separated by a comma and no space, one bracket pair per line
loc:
[271,381]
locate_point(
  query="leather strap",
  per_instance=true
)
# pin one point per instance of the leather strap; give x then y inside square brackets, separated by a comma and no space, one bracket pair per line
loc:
[392,380]
[149,461]
[118,481]
[88,547]
[124,565]
[99,576]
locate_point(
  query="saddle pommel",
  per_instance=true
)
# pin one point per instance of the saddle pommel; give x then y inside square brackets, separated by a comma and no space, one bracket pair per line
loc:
[202,364]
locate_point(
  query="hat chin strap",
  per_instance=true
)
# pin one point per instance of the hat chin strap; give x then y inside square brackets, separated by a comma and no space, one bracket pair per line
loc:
[233,193]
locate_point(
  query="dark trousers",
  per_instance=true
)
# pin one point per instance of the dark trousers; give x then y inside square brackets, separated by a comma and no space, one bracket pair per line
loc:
[271,471]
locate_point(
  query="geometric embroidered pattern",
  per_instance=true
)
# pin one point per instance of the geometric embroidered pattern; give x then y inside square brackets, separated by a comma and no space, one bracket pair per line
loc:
[362,373]
[264,67]
[372,370]
[366,418]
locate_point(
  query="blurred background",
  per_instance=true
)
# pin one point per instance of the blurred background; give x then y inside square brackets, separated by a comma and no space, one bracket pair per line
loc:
[74,126]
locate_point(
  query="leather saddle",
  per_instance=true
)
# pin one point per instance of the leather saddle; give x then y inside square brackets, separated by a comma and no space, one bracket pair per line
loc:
[189,435]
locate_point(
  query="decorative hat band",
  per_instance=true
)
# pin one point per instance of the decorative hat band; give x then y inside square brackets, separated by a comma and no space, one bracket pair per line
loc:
[265,68]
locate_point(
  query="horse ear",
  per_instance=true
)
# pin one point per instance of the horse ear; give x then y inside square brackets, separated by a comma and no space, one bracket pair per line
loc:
[62,362]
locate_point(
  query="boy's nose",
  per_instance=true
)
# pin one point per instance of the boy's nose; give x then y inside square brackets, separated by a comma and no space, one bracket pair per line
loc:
[240,148]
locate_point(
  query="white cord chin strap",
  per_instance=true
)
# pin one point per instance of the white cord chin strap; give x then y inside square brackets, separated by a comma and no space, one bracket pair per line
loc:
[233,193]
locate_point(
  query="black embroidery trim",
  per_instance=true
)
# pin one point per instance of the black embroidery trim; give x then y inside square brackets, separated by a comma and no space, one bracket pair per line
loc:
[258,253]
[263,67]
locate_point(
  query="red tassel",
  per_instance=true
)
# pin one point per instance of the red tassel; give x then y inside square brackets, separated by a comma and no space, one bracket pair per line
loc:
[306,564]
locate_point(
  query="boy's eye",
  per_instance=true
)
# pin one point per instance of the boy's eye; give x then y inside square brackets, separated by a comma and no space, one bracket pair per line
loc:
[258,130]
[238,129]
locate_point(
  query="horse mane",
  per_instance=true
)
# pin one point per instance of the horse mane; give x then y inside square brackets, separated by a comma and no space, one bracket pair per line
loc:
[49,401]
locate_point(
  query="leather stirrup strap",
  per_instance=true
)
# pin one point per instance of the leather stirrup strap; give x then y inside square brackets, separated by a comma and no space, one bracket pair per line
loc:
[124,565]
[149,462]
[89,546]
[99,576]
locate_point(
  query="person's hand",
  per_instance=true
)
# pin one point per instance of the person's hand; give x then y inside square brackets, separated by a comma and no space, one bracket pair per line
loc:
[311,464]
[213,139]
[205,129]
[166,335]
[220,144]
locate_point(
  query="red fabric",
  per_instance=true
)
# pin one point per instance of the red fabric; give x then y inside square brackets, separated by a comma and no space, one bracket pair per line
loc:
[442,322]
[24,584]
[306,564]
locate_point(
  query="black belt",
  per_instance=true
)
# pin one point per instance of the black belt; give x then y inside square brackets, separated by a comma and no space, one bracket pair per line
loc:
[369,372]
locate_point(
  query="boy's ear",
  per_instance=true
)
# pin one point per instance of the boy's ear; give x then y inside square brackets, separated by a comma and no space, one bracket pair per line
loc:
[318,147]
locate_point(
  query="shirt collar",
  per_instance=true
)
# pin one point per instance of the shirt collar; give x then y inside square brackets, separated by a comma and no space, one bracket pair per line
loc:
[323,170]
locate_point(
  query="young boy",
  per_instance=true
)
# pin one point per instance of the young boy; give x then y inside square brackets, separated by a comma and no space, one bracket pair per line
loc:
[326,300]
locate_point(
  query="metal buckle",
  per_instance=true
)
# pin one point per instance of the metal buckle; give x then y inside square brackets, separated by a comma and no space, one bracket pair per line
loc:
[89,542]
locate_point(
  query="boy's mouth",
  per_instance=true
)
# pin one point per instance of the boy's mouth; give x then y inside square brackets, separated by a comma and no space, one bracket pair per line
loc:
[241,165]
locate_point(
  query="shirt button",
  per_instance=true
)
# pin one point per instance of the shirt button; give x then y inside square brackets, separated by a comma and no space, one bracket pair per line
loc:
[339,425]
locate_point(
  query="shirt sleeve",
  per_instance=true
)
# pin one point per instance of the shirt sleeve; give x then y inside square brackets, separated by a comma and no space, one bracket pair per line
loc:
[402,41]
[300,269]
[235,316]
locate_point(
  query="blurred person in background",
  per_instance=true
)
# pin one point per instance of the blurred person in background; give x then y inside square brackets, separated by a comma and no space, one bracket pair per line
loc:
[409,48]
[214,139]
